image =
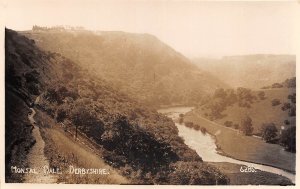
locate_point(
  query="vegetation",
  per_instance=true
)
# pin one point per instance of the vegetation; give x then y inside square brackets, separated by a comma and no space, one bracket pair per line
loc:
[269,132]
[155,73]
[246,125]
[275,102]
[288,139]
[228,123]
[132,136]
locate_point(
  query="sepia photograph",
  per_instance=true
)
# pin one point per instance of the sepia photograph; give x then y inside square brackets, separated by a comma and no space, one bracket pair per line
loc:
[162,92]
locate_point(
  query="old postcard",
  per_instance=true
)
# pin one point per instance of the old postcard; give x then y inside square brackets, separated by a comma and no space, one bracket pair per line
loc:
[149,92]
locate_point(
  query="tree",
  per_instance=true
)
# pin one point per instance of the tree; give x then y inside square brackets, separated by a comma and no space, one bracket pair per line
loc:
[286,106]
[275,102]
[288,139]
[292,111]
[261,95]
[220,93]
[228,123]
[292,98]
[246,125]
[269,131]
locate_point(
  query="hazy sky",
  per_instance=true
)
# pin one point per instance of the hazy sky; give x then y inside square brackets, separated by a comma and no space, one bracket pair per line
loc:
[190,27]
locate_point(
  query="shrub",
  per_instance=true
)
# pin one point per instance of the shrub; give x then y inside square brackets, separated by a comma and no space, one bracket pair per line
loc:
[275,102]
[228,123]
[236,126]
[261,95]
[189,124]
[292,111]
[286,106]
[203,130]
[246,125]
[196,127]
[292,98]
[180,120]
[287,122]
[288,139]
[269,131]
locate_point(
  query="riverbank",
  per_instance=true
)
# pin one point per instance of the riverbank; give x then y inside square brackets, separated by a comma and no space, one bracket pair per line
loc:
[232,171]
[246,148]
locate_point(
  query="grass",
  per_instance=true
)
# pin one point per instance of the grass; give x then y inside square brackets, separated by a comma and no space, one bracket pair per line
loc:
[234,144]
[253,178]
[62,151]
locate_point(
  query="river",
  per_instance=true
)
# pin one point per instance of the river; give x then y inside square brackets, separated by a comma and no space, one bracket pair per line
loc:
[204,144]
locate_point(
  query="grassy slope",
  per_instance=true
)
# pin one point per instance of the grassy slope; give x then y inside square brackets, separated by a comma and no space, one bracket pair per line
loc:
[238,146]
[62,151]
[262,111]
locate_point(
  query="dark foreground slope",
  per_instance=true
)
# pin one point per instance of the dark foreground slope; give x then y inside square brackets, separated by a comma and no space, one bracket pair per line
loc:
[139,64]
[134,137]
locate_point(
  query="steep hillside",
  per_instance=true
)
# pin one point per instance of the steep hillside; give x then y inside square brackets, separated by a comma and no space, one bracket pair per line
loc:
[250,71]
[143,144]
[138,64]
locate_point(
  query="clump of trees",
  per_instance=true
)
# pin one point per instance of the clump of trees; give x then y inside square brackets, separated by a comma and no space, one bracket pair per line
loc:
[222,98]
[269,132]
[246,125]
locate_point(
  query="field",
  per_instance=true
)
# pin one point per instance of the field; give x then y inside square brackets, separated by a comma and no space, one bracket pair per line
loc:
[234,144]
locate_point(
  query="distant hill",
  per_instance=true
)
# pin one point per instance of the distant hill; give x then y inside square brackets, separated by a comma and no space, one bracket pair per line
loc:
[139,65]
[250,71]
[132,137]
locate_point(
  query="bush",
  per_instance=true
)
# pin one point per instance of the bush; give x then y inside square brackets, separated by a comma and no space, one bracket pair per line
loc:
[261,95]
[236,126]
[287,122]
[286,106]
[189,124]
[292,98]
[292,111]
[228,123]
[269,131]
[180,120]
[196,127]
[203,130]
[275,102]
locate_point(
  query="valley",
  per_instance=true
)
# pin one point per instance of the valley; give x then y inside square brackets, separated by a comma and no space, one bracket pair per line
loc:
[95,100]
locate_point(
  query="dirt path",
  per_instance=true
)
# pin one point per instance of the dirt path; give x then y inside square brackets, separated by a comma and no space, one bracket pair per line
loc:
[36,157]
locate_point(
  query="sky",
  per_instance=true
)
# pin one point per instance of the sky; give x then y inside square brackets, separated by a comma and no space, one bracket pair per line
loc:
[192,28]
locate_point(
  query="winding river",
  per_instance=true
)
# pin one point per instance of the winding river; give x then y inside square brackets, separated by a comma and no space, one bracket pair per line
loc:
[204,144]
